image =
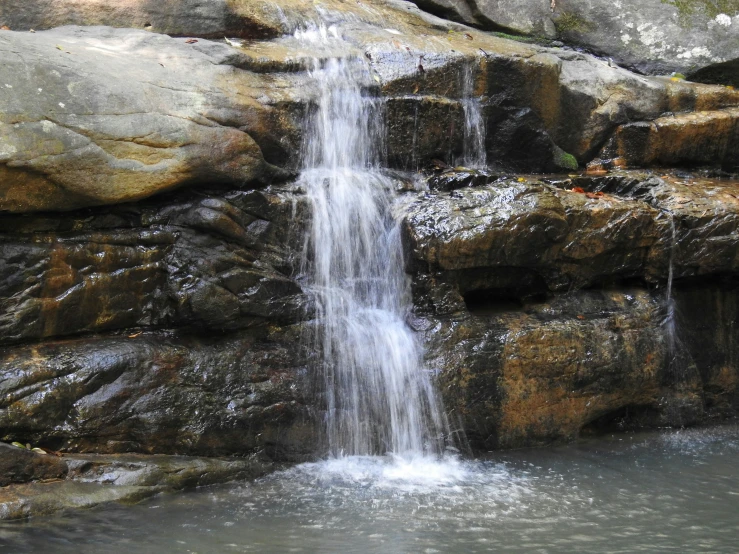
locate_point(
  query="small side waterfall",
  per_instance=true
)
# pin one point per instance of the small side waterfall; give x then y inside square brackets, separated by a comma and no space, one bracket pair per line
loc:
[473,154]
[670,323]
[378,397]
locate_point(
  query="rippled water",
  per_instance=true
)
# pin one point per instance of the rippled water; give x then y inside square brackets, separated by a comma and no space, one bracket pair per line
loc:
[669,492]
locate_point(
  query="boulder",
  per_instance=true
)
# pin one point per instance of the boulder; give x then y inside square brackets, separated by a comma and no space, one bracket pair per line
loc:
[557,235]
[521,284]
[651,36]
[83,124]
[104,116]
[19,465]
[605,351]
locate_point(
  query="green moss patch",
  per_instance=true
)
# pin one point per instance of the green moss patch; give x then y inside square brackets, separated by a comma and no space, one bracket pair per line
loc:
[712,8]
[570,22]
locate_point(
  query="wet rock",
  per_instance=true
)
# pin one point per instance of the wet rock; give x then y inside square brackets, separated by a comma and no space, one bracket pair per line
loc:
[608,353]
[160,392]
[421,129]
[527,354]
[97,479]
[460,178]
[564,238]
[585,231]
[706,319]
[699,138]
[19,465]
[208,262]
[726,73]
[542,372]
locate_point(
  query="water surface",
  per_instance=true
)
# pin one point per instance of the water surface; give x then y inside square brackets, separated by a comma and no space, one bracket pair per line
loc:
[674,491]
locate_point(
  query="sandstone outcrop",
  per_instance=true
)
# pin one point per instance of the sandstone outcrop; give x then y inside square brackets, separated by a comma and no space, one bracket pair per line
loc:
[652,36]
[83,124]
[553,294]
[151,228]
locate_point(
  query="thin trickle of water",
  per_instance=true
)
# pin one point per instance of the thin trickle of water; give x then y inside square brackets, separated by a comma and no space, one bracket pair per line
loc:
[378,396]
[473,153]
[670,325]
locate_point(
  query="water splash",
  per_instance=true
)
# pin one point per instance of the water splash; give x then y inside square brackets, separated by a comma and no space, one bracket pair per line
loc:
[378,397]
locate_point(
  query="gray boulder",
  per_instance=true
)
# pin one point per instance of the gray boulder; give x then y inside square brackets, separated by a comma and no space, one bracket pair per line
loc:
[652,36]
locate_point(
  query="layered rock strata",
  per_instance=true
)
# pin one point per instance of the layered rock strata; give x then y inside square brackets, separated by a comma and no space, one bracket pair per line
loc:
[150,299]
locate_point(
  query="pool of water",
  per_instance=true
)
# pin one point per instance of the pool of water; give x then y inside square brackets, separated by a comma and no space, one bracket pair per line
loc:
[675,491]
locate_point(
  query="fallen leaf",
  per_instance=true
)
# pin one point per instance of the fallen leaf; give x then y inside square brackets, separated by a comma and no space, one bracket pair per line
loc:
[468,36]
[191,41]
[38,450]
[521,180]
[594,194]
[580,316]
[415,89]
[18,444]
[578,189]
[4,28]
[135,335]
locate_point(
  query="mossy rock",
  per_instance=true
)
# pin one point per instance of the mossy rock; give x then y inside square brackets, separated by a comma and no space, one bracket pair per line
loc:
[712,8]
[564,160]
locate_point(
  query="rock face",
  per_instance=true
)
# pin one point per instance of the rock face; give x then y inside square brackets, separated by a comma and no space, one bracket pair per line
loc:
[18,465]
[150,295]
[551,293]
[86,126]
[201,18]
[652,36]
[211,266]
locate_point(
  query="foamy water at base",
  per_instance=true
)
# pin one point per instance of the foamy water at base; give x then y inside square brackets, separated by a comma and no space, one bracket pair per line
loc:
[654,492]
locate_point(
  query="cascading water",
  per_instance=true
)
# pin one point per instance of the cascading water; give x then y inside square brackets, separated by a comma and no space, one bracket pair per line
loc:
[378,397]
[473,154]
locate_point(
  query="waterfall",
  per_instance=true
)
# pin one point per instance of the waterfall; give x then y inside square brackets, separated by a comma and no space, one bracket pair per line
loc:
[379,398]
[473,153]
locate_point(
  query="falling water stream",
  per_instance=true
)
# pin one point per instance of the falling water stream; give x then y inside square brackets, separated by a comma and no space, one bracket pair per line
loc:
[474,154]
[377,395]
